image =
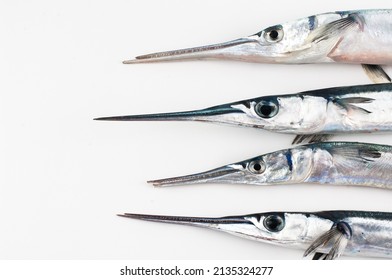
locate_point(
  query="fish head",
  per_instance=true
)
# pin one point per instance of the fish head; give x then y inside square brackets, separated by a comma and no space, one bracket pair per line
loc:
[306,40]
[282,228]
[290,42]
[272,168]
[286,114]
[281,43]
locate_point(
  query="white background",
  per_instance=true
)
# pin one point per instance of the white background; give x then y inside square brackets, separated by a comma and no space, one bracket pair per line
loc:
[63,176]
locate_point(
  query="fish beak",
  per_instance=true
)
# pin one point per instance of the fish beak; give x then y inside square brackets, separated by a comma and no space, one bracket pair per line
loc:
[235,49]
[218,114]
[247,226]
[237,225]
[186,220]
[225,174]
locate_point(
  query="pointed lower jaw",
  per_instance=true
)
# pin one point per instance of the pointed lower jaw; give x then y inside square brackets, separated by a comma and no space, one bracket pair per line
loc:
[186,220]
[212,114]
[152,60]
[211,176]
[204,52]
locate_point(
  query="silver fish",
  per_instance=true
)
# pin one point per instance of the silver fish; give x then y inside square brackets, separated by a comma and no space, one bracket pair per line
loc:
[358,37]
[325,235]
[312,115]
[334,163]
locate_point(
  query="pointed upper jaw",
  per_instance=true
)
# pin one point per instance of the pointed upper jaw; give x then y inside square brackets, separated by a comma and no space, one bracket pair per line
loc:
[186,220]
[232,49]
[229,173]
[218,114]
[244,226]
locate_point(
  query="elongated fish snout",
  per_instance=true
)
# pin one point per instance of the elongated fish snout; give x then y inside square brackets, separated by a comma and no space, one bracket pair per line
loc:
[231,49]
[226,113]
[221,174]
[262,170]
[207,222]
[248,226]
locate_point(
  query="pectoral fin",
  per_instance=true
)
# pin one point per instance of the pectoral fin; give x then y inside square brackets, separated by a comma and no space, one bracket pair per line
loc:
[319,256]
[348,103]
[336,238]
[376,74]
[335,29]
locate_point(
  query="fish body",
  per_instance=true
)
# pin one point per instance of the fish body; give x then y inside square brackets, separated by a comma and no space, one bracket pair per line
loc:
[357,37]
[369,42]
[333,163]
[362,108]
[326,234]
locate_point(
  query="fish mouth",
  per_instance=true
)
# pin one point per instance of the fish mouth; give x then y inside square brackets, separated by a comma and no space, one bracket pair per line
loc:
[208,51]
[186,220]
[236,225]
[221,174]
[213,114]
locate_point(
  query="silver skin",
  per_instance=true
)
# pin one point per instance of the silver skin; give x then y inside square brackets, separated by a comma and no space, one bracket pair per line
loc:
[370,232]
[365,38]
[364,108]
[334,163]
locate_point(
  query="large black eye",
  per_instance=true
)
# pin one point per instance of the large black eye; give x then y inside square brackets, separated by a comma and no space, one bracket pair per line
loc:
[274,34]
[274,223]
[266,109]
[257,166]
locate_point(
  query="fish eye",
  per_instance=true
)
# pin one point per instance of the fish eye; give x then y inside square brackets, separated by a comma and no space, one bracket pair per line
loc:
[274,223]
[257,167]
[273,35]
[266,109]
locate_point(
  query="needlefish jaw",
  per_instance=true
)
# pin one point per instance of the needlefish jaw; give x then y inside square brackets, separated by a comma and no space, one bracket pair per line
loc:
[349,37]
